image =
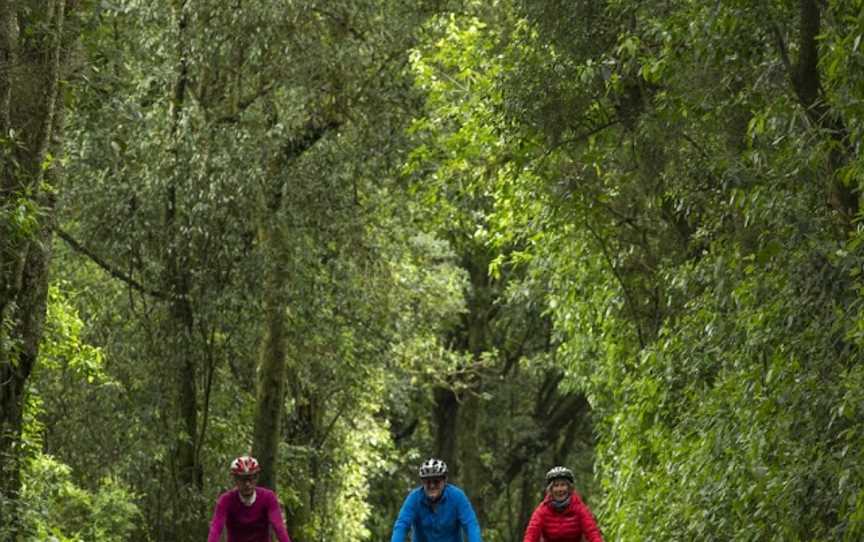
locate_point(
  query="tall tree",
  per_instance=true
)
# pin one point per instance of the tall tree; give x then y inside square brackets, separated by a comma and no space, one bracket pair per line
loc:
[501,392]
[690,169]
[236,155]
[36,40]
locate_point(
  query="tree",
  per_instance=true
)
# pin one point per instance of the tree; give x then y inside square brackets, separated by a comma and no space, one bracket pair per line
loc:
[36,41]
[225,195]
[683,192]
[502,411]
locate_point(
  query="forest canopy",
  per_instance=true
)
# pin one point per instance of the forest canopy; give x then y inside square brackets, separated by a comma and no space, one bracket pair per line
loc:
[349,235]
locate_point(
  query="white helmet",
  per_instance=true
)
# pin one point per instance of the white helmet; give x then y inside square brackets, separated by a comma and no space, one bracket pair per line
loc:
[433,468]
[559,473]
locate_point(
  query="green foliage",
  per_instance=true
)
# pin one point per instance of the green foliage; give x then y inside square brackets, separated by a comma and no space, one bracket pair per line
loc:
[64,349]
[56,508]
[68,377]
[18,219]
[696,285]
[653,166]
[225,148]
[511,206]
[692,456]
[514,418]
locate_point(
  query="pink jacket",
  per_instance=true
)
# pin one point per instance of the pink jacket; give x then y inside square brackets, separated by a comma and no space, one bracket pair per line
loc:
[248,523]
[568,525]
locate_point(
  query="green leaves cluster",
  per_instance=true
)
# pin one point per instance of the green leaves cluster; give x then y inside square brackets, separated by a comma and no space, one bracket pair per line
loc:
[623,236]
[65,407]
[55,508]
[691,208]
[238,160]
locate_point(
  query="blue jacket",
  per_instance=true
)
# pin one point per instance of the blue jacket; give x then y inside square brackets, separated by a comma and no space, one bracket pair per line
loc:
[444,523]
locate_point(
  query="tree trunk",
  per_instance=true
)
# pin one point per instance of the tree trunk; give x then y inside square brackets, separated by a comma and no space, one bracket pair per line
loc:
[26,320]
[446,423]
[302,431]
[529,495]
[30,79]
[807,82]
[179,331]
[272,367]
[457,420]
[272,358]
[477,341]
[474,478]
[186,471]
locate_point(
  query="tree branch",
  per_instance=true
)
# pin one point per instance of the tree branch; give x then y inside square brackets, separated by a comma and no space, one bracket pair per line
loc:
[784,51]
[630,301]
[807,78]
[111,270]
[569,409]
[579,138]
[312,133]
[244,104]
[8,35]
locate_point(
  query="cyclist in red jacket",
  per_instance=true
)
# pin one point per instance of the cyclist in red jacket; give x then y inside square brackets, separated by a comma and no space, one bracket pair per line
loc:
[562,516]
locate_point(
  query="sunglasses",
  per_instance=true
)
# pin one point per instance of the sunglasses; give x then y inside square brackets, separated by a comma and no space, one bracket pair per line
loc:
[432,481]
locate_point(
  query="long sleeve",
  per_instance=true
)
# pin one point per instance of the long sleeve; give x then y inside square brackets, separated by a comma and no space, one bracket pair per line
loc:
[589,526]
[533,531]
[403,521]
[468,519]
[217,523]
[274,515]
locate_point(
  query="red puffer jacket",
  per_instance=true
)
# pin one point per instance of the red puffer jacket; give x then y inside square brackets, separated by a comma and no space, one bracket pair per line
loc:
[568,525]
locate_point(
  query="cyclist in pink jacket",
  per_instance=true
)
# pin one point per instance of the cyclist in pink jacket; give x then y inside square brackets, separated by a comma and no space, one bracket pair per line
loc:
[247,512]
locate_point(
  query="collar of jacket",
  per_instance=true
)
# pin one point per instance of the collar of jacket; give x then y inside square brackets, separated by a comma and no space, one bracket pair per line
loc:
[548,499]
[444,492]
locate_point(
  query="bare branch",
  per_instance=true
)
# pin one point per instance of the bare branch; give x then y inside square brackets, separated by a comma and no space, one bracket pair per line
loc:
[111,270]
[784,51]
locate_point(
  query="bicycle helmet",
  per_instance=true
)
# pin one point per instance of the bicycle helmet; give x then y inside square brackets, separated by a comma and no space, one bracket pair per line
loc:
[245,465]
[433,468]
[560,473]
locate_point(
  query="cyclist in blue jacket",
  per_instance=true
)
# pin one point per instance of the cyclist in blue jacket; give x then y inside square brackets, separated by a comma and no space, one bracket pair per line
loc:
[436,511]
